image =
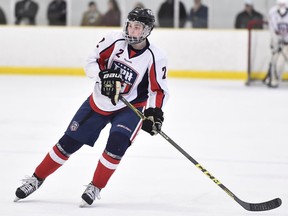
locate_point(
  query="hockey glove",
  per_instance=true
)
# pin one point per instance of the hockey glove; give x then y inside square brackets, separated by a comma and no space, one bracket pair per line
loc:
[153,122]
[111,84]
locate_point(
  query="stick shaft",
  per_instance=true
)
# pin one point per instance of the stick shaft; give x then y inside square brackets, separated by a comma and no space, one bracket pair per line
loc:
[248,206]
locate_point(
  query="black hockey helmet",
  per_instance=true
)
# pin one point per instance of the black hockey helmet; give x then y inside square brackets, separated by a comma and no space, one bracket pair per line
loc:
[143,16]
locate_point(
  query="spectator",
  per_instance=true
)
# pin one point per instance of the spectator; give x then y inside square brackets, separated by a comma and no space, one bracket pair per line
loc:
[247,15]
[57,12]
[166,14]
[92,17]
[139,5]
[113,16]
[3,20]
[199,15]
[25,12]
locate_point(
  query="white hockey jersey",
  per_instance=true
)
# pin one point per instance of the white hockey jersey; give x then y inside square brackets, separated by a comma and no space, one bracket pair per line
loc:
[278,25]
[144,72]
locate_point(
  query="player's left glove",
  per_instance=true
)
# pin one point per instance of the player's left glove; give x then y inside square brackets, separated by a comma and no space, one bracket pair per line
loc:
[153,122]
[111,84]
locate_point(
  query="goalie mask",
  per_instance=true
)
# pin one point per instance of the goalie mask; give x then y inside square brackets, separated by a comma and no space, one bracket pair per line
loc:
[282,6]
[143,16]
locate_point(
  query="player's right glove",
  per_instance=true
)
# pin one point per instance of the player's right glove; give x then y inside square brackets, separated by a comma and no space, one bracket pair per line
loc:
[153,122]
[111,84]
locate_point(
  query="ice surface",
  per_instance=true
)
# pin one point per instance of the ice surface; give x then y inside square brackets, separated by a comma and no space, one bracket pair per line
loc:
[238,133]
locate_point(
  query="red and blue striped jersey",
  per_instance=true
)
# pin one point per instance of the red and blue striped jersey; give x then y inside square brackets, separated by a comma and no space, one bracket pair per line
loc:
[143,71]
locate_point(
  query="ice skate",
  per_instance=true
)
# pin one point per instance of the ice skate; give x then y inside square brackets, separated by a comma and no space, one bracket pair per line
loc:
[267,80]
[30,184]
[89,195]
[274,83]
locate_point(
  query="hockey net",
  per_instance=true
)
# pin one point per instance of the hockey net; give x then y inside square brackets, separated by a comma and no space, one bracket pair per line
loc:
[259,53]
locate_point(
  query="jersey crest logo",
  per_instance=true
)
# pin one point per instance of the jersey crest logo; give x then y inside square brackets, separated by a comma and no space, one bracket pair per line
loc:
[128,74]
[283,29]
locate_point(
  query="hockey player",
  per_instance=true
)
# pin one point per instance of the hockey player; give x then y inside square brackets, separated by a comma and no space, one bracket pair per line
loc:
[278,25]
[122,63]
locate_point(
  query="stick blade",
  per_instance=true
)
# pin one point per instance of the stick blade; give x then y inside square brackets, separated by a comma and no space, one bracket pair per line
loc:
[265,206]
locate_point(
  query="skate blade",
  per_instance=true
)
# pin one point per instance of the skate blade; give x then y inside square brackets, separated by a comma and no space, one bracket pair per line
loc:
[16,199]
[83,204]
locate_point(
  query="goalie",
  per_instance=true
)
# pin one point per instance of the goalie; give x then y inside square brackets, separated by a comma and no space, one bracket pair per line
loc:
[278,25]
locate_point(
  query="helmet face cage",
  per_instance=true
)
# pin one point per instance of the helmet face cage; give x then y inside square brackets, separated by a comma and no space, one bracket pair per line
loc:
[134,40]
[282,9]
[282,6]
[145,18]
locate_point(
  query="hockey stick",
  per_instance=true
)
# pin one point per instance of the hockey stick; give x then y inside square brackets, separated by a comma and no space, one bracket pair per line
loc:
[248,206]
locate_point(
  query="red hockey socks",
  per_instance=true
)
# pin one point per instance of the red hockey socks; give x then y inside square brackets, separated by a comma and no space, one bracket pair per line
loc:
[105,168]
[53,160]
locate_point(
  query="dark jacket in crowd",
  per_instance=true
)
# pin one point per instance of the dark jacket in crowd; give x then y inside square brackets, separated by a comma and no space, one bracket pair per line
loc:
[111,18]
[166,14]
[243,19]
[3,20]
[199,18]
[25,12]
[57,11]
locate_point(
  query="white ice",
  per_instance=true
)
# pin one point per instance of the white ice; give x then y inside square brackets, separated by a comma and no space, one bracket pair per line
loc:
[238,133]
